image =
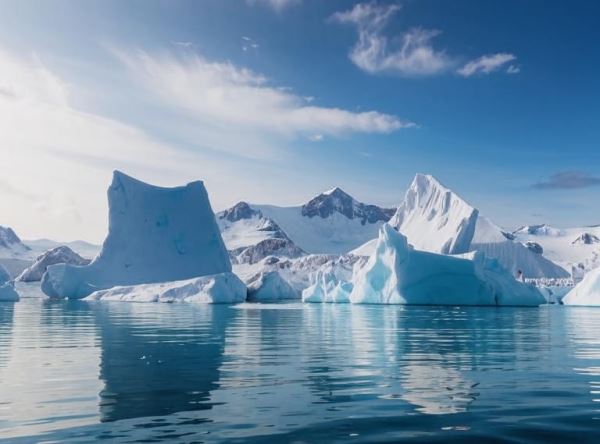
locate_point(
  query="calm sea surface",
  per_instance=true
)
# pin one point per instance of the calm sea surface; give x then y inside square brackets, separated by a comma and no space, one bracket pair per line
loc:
[125,372]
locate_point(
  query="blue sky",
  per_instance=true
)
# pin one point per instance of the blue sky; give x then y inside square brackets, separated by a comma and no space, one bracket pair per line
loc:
[275,101]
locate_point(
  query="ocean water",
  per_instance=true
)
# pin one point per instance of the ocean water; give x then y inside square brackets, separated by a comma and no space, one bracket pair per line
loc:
[72,371]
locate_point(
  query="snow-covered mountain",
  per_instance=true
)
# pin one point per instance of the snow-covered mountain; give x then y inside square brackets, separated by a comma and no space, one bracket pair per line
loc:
[250,237]
[435,219]
[83,248]
[11,247]
[331,223]
[577,247]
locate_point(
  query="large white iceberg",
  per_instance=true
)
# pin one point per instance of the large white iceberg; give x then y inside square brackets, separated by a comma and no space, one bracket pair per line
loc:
[434,218]
[587,292]
[155,235]
[58,255]
[396,273]
[222,288]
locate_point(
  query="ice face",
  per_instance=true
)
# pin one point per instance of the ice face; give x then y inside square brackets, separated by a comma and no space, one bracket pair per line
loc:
[155,235]
[586,292]
[223,288]
[435,219]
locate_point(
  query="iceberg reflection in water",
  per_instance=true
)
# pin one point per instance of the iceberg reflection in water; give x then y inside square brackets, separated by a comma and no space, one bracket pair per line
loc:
[80,371]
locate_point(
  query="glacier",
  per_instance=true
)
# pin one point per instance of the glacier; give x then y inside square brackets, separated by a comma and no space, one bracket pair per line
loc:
[222,288]
[155,235]
[396,273]
[58,255]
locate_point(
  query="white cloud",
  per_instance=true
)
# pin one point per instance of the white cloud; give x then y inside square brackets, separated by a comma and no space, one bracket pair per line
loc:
[487,64]
[277,5]
[513,69]
[223,124]
[228,95]
[414,55]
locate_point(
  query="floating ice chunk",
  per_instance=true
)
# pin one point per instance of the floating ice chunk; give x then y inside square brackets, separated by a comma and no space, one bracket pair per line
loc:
[58,255]
[269,286]
[587,292]
[398,274]
[8,293]
[7,289]
[223,288]
[155,235]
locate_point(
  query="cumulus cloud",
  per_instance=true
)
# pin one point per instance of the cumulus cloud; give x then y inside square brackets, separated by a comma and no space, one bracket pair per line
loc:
[413,55]
[225,94]
[487,64]
[568,180]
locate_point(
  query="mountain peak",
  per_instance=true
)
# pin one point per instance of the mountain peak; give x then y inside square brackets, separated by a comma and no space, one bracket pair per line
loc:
[337,200]
[240,210]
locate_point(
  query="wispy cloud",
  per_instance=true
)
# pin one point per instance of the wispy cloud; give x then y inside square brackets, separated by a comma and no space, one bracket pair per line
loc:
[374,53]
[568,180]
[277,5]
[249,44]
[410,54]
[183,44]
[489,63]
[232,96]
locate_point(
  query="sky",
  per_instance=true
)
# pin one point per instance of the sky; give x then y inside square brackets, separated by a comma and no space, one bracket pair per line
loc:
[275,101]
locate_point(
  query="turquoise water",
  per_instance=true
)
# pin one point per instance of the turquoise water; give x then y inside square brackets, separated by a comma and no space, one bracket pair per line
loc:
[123,372]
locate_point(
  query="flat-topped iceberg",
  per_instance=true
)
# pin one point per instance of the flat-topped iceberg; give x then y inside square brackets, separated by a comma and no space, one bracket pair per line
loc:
[222,288]
[58,255]
[155,235]
[586,292]
[396,273]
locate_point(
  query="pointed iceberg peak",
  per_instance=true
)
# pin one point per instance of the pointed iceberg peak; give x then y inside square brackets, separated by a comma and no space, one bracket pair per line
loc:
[434,218]
[337,200]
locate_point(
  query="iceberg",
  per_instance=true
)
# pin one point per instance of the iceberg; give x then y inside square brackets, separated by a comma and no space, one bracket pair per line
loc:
[586,292]
[269,286]
[58,255]
[7,290]
[434,218]
[222,288]
[396,273]
[155,235]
